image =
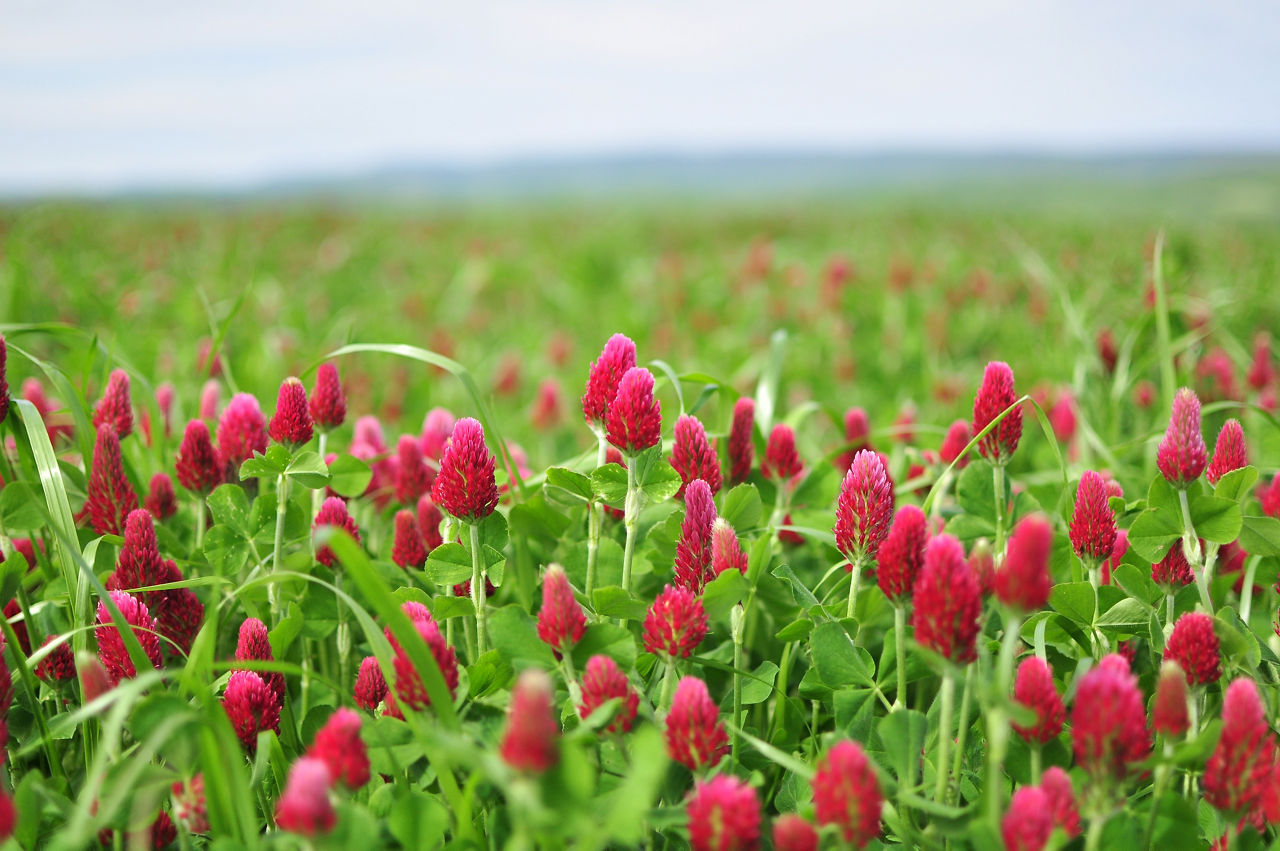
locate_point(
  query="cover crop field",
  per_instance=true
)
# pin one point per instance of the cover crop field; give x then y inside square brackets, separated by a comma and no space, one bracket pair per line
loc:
[642,526]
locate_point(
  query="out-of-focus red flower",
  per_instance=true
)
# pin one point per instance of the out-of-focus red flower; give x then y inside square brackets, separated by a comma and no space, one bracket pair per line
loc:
[1034,689]
[532,738]
[1109,721]
[603,681]
[1023,582]
[561,621]
[1194,646]
[948,602]
[339,746]
[1028,824]
[1169,712]
[333,512]
[111,650]
[407,549]
[304,807]
[695,736]
[328,404]
[115,408]
[1242,764]
[741,450]
[724,815]
[902,554]
[847,794]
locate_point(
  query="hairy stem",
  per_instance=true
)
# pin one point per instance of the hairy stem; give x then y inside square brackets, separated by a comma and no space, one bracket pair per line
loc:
[282,509]
[998,718]
[737,619]
[997,479]
[900,646]
[948,695]
[963,736]
[631,519]
[595,520]
[854,576]
[477,589]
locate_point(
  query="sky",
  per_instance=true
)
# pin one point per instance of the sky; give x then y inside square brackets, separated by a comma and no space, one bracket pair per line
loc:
[99,96]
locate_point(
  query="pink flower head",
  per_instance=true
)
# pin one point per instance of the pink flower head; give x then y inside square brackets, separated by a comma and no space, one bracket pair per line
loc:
[1182,455]
[781,460]
[1240,767]
[253,645]
[180,614]
[1023,582]
[561,622]
[902,553]
[328,404]
[210,394]
[95,681]
[291,423]
[164,401]
[904,426]
[846,793]
[1028,824]
[982,564]
[857,436]
[333,512]
[115,407]
[429,520]
[1062,799]
[1193,645]
[1262,373]
[676,623]
[110,496]
[59,665]
[466,486]
[724,815]
[693,457]
[437,428]
[413,476]
[1169,713]
[1093,525]
[1216,375]
[958,437]
[792,833]
[741,450]
[339,746]
[603,681]
[252,707]
[633,422]
[139,563]
[1229,453]
[693,551]
[1108,353]
[695,736]
[161,500]
[409,689]
[1118,549]
[726,551]
[547,406]
[994,397]
[603,378]
[198,466]
[1173,570]
[1034,689]
[531,742]
[865,507]
[111,649]
[242,430]
[304,807]
[1109,721]
[189,805]
[371,685]
[948,602]
[407,550]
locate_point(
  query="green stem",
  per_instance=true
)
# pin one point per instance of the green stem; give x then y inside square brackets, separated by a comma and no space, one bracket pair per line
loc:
[963,737]
[780,699]
[29,680]
[631,519]
[1170,603]
[282,509]
[668,684]
[900,646]
[1161,778]
[595,520]
[1191,548]
[737,618]
[948,694]
[855,575]
[1246,593]
[1093,839]
[1035,764]
[200,520]
[998,718]
[317,495]
[344,632]
[477,589]
[997,479]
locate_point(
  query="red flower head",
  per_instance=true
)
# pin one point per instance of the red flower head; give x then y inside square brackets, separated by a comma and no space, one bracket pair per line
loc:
[958,437]
[164,401]
[111,649]
[561,622]
[139,562]
[1169,714]
[371,686]
[726,552]
[465,486]
[8,811]
[902,553]
[1216,375]
[724,815]
[252,707]
[693,551]
[1023,582]
[1107,351]
[1062,416]
[847,794]
[189,804]
[328,404]
[1173,570]
[1062,799]
[110,496]
[1229,453]
[780,458]
[210,394]
[333,512]
[1035,690]
[1240,768]
[865,507]
[547,406]
[1269,496]
[982,564]
[857,436]
[180,613]
[742,451]
[634,419]
[948,602]
[695,736]
[408,550]
[291,423]
[409,688]
[676,623]
[304,807]
[1118,549]
[994,396]
[1194,647]
[1029,822]
[904,426]
[693,457]
[1093,525]
[198,466]
[437,428]
[339,746]
[619,355]
[161,501]
[413,476]
[253,645]
[603,681]
[532,739]
[1109,721]
[792,833]
[1182,455]
[242,430]
[115,408]
[59,665]
[429,520]
[1262,372]
[93,676]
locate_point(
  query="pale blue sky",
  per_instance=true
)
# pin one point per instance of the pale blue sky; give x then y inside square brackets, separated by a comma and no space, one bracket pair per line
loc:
[97,95]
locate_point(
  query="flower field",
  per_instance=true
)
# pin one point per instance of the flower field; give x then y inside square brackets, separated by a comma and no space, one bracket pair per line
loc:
[714,530]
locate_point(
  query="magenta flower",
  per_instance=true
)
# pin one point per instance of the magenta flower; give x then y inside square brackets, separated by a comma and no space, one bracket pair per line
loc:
[633,422]
[865,507]
[693,550]
[1093,525]
[603,378]
[328,404]
[741,450]
[693,457]
[466,486]
[1229,453]
[291,423]
[115,408]
[1182,455]
[995,396]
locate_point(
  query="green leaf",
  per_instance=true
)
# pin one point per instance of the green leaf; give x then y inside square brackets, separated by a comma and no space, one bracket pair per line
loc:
[970,527]
[572,482]
[308,469]
[797,630]
[1127,615]
[757,687]
[1136,582]
[266,465]
[609,639]
[230,507]
[609,484]
[1237,484]
[1074,600]
[536,519]
[1260,536]
[20,508]
[657,479]
[448,564]
[839,663]
[723,593]
[803,596]
[1236,641]
[629,804]
[417,820]
[1216,519]
[742,507]
[1153,531]
[902,734]
[349,476]
[976,491]
[444,607]
[515,637]
[1162,495]
[614,601]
